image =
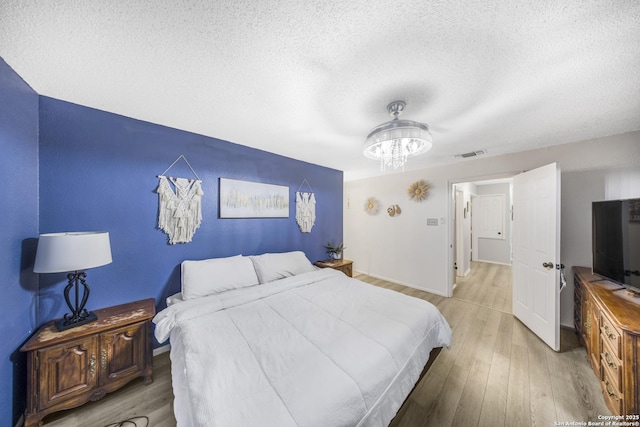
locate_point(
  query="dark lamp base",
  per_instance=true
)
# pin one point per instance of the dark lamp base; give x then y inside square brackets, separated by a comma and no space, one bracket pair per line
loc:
[69,322]
[79,316]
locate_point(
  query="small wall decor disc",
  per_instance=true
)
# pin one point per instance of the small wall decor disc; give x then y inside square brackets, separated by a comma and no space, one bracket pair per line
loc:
[372,206]
[394,210]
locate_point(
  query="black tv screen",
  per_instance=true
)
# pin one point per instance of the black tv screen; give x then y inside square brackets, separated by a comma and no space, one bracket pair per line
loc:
[616,241]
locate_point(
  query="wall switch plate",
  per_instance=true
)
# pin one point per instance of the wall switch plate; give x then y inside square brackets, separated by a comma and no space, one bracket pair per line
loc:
[432,221]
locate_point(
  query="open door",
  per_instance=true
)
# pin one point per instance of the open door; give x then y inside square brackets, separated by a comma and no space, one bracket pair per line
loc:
[536,252]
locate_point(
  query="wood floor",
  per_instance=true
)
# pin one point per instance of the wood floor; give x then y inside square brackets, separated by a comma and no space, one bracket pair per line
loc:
[496,373]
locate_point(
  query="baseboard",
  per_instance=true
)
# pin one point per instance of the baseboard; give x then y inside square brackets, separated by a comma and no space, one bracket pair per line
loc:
[160,350]
[463,274]
[408,285]
[493,262]
[568,327]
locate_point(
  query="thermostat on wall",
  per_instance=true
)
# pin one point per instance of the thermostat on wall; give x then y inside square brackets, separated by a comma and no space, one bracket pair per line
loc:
[432,221]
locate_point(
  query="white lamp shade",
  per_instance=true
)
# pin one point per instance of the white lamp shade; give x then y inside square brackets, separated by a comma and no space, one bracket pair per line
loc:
[61,252]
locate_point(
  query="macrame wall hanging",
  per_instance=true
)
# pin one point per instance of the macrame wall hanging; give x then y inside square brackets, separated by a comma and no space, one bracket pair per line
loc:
[305,208]
[179,205]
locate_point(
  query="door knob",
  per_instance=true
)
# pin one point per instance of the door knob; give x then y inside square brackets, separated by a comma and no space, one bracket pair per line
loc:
[547,265]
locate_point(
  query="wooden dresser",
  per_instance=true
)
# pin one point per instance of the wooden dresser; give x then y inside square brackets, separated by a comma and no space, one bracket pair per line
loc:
[68,368]
[344,265]
[607,321]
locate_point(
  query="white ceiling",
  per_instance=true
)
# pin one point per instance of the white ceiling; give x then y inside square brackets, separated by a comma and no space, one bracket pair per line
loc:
[309,79]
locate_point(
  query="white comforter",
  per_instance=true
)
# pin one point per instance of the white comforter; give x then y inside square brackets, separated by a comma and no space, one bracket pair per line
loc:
[317,349]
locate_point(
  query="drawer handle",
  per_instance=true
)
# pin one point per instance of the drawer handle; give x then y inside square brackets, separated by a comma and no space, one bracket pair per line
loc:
[609,361]
[609,334]
[610,390]
[103,359]
[92,365]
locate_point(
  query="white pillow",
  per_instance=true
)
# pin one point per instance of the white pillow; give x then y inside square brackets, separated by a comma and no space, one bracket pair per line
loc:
[174,299]
[270,267]
[212,276]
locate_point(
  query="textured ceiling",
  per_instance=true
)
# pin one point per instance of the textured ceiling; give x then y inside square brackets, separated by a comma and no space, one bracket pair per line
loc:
[309,79]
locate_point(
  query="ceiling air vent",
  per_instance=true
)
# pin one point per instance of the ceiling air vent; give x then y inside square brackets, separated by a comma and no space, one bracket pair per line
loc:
[471,154]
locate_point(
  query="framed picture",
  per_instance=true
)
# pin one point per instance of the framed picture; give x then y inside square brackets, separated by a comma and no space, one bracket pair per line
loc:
[246,199]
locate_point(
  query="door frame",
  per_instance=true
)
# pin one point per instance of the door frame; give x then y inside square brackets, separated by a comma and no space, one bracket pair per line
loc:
[458,242]
[451,212]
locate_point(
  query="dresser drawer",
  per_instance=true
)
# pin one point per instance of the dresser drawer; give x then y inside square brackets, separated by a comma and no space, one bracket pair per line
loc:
[612,396]
[610,321]
[611,366]
[610,335]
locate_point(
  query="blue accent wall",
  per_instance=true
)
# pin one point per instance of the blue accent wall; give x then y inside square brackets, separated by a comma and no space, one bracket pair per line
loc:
[19,212]
[98,171]
[66,167]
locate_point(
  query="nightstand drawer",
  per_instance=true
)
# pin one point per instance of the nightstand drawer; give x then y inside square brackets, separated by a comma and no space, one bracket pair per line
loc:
[66,371]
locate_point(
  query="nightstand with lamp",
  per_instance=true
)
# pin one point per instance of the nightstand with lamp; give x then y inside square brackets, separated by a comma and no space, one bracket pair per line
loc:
[73,252]
[84,355]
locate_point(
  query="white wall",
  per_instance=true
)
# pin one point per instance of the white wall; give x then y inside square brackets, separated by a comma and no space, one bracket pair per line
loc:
[404,249]
[579,189]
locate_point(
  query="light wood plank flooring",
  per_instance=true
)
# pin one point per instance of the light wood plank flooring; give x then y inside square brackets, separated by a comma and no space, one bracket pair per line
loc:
[488,285]
[496,373]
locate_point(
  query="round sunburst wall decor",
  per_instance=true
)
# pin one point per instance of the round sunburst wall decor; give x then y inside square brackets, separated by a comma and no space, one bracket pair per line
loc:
[418,191]
[372,206]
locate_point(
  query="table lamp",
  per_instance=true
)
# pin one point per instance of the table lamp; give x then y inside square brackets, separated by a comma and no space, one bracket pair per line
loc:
[73,252]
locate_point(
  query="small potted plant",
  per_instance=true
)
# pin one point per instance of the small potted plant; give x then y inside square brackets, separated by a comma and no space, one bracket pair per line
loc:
[335,252]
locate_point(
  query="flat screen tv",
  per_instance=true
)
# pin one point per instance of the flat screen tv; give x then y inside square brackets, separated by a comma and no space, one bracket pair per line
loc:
[616,241]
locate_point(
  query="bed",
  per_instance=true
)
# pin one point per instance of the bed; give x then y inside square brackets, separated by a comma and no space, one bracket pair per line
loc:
[270,340]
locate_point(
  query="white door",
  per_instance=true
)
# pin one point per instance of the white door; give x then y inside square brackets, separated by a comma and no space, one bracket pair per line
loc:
[489,216]
[536,252]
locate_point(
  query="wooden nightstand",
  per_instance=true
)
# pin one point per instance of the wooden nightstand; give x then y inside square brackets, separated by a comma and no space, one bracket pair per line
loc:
[68,368]
[344,265]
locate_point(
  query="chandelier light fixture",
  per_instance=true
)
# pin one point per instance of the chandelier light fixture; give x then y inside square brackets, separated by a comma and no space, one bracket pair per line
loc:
[393,142]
